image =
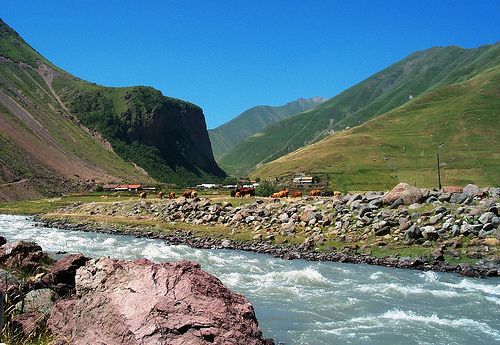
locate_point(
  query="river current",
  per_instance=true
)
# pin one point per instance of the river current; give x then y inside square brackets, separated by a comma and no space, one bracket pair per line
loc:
[300,302]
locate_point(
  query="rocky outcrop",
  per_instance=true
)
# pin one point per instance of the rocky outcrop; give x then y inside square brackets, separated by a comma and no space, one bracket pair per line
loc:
[140,302]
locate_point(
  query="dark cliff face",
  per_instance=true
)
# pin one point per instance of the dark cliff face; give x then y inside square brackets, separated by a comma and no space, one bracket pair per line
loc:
[179,131]
[165,136]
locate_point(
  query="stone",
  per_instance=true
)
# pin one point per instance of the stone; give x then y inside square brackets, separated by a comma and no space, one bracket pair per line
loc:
[353,198]
[441,209]
[62,273]
[23,255]
[431,199]
[438,253]
[414,206]
[385,230]
[288,227]
[141,302]
[484,233]
[40,301]
[430,233]
[486,217]
[436,218]
[283,218]
[413,233]
[458,198]
[444,197]
[407,193]
[307,214]
[398,202]
[364,210]
[3,240]
[455,230]
[257,237]
[471,190]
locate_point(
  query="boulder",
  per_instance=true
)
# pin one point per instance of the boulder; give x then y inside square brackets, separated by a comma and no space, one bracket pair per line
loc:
[385,230]
[471,190]
[23,255]
[413,233]
[407,193]
[62,274]
[486,217]
[458,198]
[140,302]
[430,233]
[40,301]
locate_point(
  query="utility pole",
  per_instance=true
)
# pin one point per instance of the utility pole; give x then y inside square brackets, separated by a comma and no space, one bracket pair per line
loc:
[439,171]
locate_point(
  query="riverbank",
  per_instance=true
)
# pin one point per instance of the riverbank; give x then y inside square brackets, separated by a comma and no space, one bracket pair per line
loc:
[446,231]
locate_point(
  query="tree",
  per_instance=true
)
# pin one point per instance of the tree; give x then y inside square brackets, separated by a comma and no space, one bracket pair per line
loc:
[230,180]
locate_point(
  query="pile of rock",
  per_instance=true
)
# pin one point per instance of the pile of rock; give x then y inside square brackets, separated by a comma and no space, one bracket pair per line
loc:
[405,214]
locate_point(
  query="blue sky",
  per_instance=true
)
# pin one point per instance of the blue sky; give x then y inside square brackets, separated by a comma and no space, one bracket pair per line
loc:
[227,56]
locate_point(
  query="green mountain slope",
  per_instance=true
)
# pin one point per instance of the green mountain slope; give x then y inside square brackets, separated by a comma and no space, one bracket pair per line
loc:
[57,131]
[418,73]
[253,120]
[458,121]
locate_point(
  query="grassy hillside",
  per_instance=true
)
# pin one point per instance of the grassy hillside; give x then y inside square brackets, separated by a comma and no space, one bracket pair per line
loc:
[458,121]
[253,120]
[55,127]
[418,73]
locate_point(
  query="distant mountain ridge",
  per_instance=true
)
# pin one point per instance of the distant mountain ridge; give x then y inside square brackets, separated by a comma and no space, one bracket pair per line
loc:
[458,121]
[58,131]
[420,72]
[253,120]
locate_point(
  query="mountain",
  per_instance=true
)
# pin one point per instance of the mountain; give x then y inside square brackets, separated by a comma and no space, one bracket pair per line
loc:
[58,131]
[459,121]
[253,120]
[418,73]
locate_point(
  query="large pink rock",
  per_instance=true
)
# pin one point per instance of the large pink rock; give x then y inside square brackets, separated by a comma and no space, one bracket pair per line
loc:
[140,302]
[407,193]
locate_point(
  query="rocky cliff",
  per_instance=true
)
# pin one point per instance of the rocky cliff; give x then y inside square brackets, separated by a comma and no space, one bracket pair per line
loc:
[58,131]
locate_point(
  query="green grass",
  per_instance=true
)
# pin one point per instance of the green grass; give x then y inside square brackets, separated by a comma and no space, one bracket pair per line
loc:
[419,73]
[457,121]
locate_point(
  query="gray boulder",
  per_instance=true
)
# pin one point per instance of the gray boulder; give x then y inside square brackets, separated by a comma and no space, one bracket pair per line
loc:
[40,300]
[471,190]
[430,233]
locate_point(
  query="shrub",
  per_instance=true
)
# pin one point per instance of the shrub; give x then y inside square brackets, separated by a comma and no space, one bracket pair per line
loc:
[266,188]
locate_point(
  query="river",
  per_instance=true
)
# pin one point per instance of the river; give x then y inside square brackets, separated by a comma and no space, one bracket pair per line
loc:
[300,302]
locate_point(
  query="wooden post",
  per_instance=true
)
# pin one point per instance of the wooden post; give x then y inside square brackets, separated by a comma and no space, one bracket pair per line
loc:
[439,171]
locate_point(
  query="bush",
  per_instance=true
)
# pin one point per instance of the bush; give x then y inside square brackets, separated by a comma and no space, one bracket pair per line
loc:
[99,188]
[266,188]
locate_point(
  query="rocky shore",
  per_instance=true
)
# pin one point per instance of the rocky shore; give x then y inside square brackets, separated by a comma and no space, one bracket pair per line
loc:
[78,300]
[454,223]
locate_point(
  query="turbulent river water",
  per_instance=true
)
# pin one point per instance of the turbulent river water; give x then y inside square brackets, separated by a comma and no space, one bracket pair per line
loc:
[300,302]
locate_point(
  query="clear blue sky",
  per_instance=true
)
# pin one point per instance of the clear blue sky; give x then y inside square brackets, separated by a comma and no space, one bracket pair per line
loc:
[227,56]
